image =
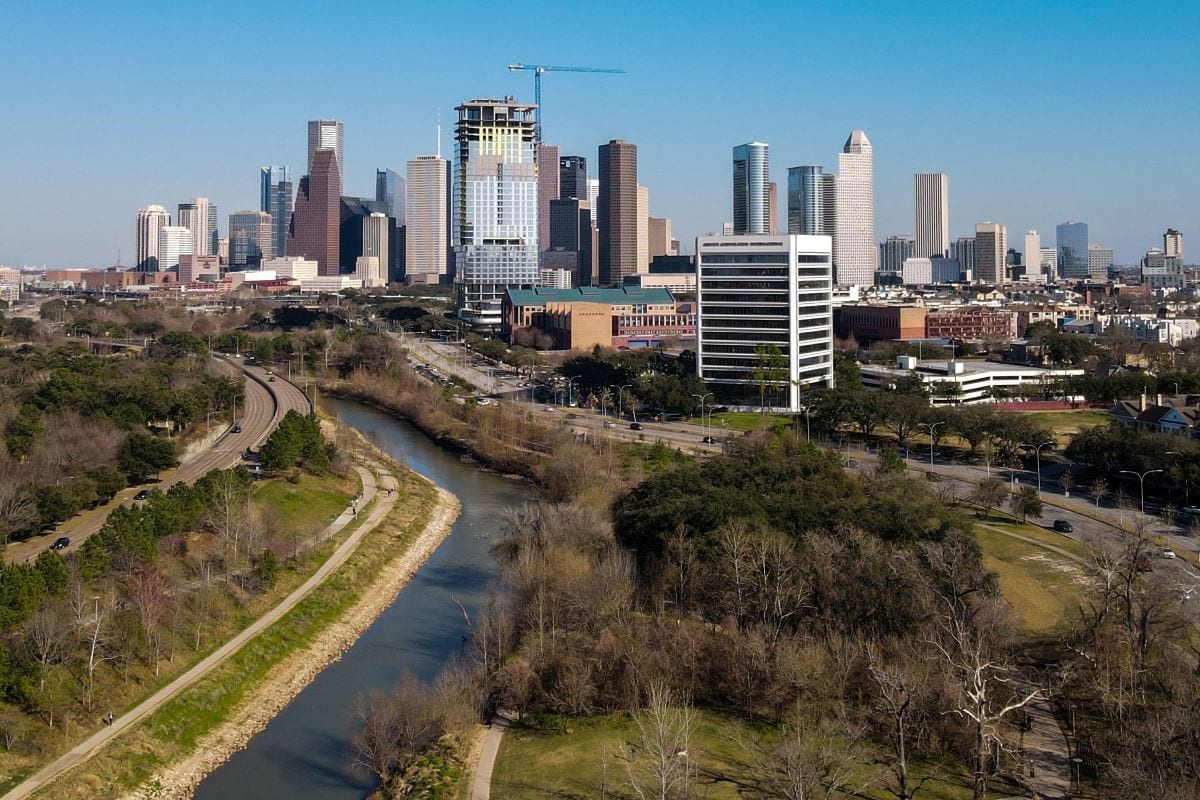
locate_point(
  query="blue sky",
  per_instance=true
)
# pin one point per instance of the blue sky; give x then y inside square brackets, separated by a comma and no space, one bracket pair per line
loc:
[1039,112]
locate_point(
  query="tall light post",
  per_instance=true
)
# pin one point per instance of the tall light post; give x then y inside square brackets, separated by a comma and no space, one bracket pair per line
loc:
[933,427]
[620,391]
[571,390]
[1142,484]
[701,398]
[1038,456]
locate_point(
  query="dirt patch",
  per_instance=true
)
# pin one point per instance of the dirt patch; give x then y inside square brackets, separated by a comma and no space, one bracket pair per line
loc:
[289,677]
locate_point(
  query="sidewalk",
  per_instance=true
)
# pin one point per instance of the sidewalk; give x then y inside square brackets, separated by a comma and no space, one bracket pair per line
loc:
[1047,753]
[481,788]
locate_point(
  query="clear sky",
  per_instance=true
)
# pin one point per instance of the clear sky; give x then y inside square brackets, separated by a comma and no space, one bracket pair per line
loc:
[1038,111]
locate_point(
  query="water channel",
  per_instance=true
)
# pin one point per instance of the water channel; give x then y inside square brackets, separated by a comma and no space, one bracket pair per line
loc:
[305,751]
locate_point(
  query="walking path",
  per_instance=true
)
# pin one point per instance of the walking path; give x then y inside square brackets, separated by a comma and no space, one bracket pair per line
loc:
[1047,766]
[98,740]
[481,789]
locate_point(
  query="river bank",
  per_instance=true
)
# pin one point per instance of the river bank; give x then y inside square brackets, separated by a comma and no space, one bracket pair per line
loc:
[255,674]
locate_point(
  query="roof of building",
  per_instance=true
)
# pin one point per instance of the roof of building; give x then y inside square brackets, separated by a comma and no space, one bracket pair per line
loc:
[622,295]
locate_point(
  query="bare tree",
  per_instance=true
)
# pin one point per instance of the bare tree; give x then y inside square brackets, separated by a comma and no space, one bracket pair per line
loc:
[17,511]
[46,638]
[988,494]
[94,615]
[149,593]
[376,744]
[899,691]
[660,763]
[1098,489]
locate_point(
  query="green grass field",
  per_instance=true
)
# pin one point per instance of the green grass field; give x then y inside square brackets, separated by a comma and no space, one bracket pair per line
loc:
[740,420]
[1068,423]
[1043,587]
[308,506]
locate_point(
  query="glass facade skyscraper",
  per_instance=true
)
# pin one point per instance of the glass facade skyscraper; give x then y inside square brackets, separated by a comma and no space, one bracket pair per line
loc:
[495,197]
[572,177]
[250,234]
[1072,241]
[751,188]
[389,189]
[805,199]
[276,195]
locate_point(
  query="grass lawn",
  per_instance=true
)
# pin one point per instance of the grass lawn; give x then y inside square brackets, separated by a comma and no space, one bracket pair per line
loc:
[1042,586]
[566,757]
[1068,423]
[308,506]
[740,420]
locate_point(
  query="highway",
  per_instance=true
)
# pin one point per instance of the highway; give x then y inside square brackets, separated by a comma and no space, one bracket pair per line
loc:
[266,402]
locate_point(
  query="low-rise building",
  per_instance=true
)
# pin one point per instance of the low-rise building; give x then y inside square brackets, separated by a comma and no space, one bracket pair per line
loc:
[961,382]
[875,323]
[635,317]
[971,323]
[675,282]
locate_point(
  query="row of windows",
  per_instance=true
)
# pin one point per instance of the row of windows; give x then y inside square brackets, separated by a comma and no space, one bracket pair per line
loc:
[780,285]
[712,321]
[746,336]
[747,297]
[744,272]
[744,258]
[740,311]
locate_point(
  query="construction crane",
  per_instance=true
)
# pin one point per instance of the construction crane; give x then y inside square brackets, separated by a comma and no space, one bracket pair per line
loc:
[538,69]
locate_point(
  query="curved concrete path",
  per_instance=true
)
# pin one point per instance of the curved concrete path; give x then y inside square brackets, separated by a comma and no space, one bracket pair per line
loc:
[87,748]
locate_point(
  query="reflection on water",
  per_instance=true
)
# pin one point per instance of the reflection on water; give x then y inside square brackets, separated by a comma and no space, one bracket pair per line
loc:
[305,751]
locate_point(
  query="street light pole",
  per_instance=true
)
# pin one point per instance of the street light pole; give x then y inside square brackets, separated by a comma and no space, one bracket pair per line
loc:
[620,390]
[701,398]
[1038,455]
[1142,485]
[932,427]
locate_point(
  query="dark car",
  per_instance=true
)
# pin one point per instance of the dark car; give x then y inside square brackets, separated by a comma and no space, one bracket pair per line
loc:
[1062,526]
[635,426]
[710,440]
[60,543]
[572,416]
[237,428]
[142,495]
[271,379]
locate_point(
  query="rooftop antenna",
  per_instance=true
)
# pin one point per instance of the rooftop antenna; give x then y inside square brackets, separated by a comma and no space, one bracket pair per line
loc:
[439,133]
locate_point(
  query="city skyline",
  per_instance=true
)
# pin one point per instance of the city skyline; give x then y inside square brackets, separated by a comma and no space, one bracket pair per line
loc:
[1026,175]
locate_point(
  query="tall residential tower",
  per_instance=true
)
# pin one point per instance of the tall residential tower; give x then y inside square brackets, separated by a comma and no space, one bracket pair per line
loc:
[150,221]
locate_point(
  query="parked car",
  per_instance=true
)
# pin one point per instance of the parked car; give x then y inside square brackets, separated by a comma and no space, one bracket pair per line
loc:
[548,408]
[1062,526]
[142,495]
[1145,565]
[1191,509]
[60,543]
[1166,552]
[635,426]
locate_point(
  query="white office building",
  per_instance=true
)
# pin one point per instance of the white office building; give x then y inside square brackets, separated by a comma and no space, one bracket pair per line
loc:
[1100,261]
[150,222]
[1050,262]
[1033,253]
[325,134]
[757,290]
[291,267]
[856,248]
[427,235]
[917,272]
[931,203]
[371,271]
[495,219]
[173,241]
[199,215]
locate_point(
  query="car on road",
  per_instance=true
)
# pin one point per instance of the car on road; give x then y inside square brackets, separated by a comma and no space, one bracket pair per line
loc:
[635,426]
[60,543]
[142,495]
[1166,552]
[482,401]
[610,424]
[572,416]
[548,408]
[1145,565]
[1062,526]
[1191,509]
[709,440]
[236,428]
[271,379]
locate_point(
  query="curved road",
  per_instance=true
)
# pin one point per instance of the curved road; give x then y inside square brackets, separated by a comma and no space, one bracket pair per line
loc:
[265,404]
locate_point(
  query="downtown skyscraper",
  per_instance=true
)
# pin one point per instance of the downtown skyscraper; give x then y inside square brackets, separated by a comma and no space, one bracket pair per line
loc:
[427,231]
[806,202]
[199,215]
[617,212]
[991,252]
[1072,241]
[275,198]
[150,221]
[751,189]
[548,189]
[250,237]
[314,232]
[931,204]
[495,200]
[572,177]
[326,134]
[854,246]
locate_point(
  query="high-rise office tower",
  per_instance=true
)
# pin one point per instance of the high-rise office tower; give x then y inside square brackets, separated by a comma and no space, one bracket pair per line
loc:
[892,254]
[1033,253]
[199,215]
[150,221]
[643,230]
[751,188]
[772,208]
[375,238]
[250,236]
[275,197]
[828,182]
[963,251]
[593,197]
[660,237]
[855,248]
[1100,261]
[314,232]
[616,209]
[572,177]
[548,189]
[1072,241]
[352,218]
[571,231]
[1173,243]
[427,235]
[173,241]
[991,249]
[805,197]
[326,134]
[389,190]
[495,205]
[931,202]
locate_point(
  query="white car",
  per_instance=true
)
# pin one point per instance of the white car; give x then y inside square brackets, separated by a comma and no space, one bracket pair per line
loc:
[1166,552]
[1191,509]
